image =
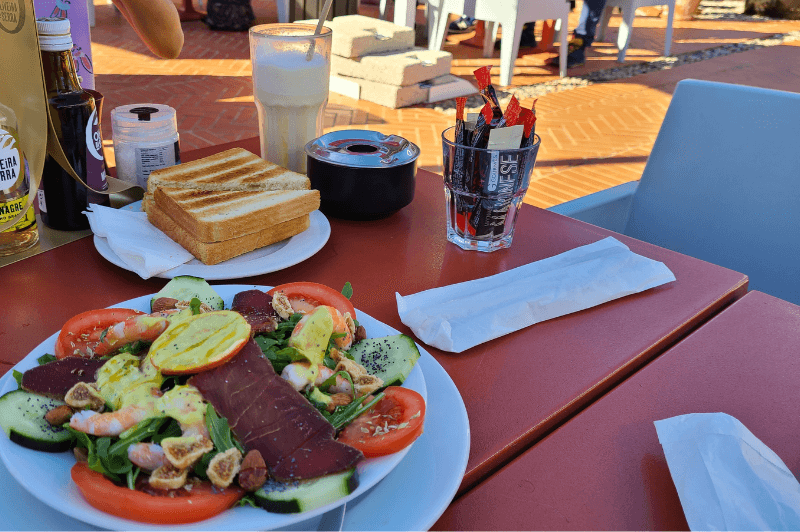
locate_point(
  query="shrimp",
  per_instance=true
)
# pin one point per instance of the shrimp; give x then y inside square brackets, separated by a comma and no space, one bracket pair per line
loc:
[185,405]
[149,456]
[140,327]
[342,324]
[109,423]
[142,404]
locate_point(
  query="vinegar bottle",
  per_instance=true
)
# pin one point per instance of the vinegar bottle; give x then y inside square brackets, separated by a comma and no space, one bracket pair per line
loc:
[62,199]
[14,183]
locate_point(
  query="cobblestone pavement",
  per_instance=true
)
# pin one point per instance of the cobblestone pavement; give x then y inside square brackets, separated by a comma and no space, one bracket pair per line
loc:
[597,126]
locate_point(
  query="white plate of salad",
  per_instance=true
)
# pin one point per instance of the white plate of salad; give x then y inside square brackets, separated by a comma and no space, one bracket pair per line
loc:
[47,475]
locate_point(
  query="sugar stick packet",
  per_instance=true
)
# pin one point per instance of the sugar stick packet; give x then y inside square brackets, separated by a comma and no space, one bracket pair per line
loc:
[461,138]
[511,116]
[487,91]
[528,121]
[482,128]
[460,134]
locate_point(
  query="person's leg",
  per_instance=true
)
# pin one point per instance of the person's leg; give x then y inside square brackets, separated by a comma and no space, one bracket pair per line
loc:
[584,33]
[587,23]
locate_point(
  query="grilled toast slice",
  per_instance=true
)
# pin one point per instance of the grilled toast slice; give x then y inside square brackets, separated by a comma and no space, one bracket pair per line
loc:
[215,216]
[211,253]
[234,169]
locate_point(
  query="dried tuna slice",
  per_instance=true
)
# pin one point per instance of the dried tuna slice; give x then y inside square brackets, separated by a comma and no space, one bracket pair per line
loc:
[54,379]
[270,416]
[256,307]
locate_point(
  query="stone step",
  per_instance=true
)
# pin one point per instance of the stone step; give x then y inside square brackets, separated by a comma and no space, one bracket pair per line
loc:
[357,35]
[396,96]
[395,68]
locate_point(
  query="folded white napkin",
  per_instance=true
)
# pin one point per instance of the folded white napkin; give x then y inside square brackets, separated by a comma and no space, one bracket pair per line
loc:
[726,478]
[140,245]
[457,317]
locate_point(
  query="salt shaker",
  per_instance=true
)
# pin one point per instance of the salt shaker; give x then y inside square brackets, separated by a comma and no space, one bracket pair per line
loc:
[145,139]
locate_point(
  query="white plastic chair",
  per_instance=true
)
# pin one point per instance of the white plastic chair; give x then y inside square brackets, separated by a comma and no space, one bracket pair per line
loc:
[405,12]
[283,11]
[511,14]
[628,8]
[722,184]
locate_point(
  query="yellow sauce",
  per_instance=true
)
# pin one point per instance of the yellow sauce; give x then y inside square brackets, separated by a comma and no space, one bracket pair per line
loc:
[198,341]
[125,380]
[311,334]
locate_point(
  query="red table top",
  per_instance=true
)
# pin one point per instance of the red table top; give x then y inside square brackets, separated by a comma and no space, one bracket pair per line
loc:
[515,388]
[605,470]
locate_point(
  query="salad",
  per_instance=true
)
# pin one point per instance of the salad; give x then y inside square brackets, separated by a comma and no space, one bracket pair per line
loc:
[177,415]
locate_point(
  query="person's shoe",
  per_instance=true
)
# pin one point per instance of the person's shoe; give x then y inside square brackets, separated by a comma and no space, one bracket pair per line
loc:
[576,55]
[462,25]
[527,40]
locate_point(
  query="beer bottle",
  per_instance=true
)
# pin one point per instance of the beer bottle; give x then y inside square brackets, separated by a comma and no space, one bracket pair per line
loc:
[62,199]
[14,188]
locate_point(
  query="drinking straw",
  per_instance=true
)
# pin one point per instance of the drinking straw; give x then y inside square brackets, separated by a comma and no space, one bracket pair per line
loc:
[322,18]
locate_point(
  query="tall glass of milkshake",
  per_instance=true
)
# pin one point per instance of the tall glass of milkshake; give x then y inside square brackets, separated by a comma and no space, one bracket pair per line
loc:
[291,75]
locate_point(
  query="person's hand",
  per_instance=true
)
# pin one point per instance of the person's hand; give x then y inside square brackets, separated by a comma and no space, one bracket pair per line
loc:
[157,23]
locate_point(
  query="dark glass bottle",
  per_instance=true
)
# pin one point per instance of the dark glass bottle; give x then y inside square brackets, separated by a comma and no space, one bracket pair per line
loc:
[62,199]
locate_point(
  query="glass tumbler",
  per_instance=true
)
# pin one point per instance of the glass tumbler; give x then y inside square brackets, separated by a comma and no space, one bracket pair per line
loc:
[291,75]
[484,190]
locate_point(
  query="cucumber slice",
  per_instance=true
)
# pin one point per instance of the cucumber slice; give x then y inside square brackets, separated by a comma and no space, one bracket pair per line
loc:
[185,287]
[391,358]
[22,419]
[305,495]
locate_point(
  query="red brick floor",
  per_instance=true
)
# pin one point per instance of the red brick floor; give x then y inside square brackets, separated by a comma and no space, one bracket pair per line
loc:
[593,137]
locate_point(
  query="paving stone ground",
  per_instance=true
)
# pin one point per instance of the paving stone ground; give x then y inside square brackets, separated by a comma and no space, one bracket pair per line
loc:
[593,137]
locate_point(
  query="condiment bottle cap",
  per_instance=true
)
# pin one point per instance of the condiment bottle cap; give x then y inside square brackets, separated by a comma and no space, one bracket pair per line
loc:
[54,34]
[143,121]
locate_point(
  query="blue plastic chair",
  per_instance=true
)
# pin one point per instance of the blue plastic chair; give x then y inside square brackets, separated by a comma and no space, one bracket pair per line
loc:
[722,184]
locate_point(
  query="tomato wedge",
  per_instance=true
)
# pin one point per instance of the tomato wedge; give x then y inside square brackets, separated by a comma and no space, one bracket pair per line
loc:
[304,296]
[81,334]
[202,502]
[389,426]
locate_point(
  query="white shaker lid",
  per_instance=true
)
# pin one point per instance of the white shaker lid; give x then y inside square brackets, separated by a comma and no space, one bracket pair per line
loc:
[144,120]
[54,34]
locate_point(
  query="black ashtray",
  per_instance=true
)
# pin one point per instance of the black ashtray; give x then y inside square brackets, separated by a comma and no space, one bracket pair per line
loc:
[362,175]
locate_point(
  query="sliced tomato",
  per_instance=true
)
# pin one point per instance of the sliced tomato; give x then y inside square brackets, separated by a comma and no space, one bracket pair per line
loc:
[389,426]
[304,296]
[203,501]
[81,334]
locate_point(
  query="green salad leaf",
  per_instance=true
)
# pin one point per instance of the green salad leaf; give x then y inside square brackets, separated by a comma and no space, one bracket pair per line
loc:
[347,291]
[46,358]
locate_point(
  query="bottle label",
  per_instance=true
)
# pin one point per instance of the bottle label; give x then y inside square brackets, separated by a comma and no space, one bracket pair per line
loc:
[12,175]
[154,157]
[95,167]
[10,209]
[13,181]
[42,203]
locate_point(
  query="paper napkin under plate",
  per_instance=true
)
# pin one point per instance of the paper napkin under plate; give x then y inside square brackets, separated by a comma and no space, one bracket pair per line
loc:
[726,478]
[140,245]
[459,316]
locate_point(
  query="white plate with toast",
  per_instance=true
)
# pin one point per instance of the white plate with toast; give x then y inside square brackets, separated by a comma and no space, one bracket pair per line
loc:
[260,261]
